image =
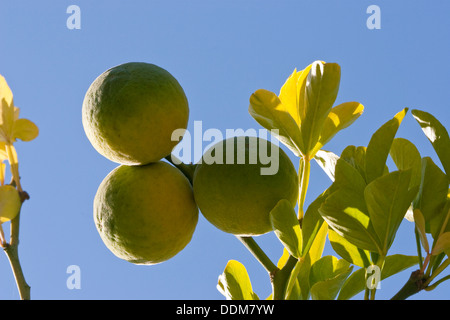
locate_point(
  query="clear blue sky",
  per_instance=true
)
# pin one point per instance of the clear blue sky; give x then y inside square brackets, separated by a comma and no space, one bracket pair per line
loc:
[221,52]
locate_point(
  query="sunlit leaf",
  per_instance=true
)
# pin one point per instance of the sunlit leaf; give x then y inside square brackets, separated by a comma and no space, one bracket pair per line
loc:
[393,265]
[295,292]
[348,176]
[267,109]
[9,203]
[348,251]
[388,198]
[356,157]
[314,253]
[286,227]
[432,194]
[11,127]
[289,96]
[327,161]
[234,283]
[380,145]
[437,135]
[322,86]
[327,276]
[5,91]
[345,212]
[406,156]
[25,130]
[339,118]
[313,221]
[283,259]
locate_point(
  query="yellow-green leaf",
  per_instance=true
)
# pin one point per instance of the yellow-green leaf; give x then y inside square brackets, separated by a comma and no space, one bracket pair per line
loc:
[289,98]
[327,277]
[406,156]
[340,117]
[321,89]
[433,191]
[348,251]
[419,220]
[286,227]
[380,145]
[442,244]
[9,203]
[437,135]
[388,198]
[356,157]
[234,283]
[267,109]
[327,161]
[393,264]
[5,91]
[345,211]
[25,130]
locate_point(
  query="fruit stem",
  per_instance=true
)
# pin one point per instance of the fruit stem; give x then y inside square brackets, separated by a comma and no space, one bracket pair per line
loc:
[258,253]
[186,169]
[304,172]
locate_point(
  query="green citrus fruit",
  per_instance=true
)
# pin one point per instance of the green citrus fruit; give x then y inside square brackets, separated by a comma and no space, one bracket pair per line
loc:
[237,198]
[9,203]
[145,214]
[130,111]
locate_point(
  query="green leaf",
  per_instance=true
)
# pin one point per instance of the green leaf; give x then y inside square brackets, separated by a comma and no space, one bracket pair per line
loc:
[419,220]
[304,266]
[313,221]
[327,276]
[339,118]
[347,176]
[433,191]
[388,199]
[438,136]
[357,280]
[295,292]
[348,251]
[345,212]
[406,156]
[234,283]
[322,86]
[380,145]
[442,244]
[286,227]
[356,157]
[327,161]
[267,109]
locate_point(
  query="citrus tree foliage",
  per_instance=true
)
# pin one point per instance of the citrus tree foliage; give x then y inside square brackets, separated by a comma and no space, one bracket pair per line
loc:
[362,209]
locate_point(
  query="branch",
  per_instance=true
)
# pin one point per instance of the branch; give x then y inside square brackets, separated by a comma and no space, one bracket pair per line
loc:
[12,252]
[414,285]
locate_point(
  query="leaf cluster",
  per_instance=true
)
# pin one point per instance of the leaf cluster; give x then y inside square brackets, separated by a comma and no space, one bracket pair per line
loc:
[361,211]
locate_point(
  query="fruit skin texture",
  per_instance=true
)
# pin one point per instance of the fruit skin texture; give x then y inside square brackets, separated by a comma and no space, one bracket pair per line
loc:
[145,214]
[130,111]
[236,198]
